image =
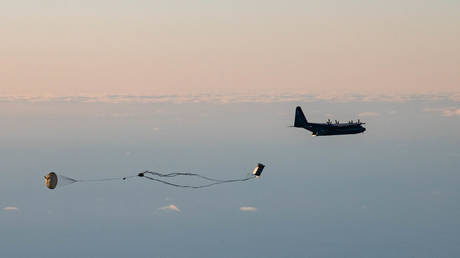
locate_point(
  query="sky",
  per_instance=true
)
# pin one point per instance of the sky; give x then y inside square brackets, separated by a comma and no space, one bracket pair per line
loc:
[62,48]
[102,89]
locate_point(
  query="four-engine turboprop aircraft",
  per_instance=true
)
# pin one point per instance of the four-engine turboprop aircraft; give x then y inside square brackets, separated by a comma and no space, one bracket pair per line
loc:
[328,128]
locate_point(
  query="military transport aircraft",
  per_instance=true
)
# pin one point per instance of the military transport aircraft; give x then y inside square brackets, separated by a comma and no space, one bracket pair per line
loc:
[327,128]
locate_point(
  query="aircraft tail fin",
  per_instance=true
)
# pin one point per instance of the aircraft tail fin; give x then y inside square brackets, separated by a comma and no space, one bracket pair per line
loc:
[300,119]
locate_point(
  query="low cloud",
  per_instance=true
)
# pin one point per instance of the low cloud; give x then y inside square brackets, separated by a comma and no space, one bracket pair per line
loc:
[447,112]
[170,207]
[248,208]
[11,208]
[368,114]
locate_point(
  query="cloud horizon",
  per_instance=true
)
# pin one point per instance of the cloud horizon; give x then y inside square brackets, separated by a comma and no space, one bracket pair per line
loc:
[228,98]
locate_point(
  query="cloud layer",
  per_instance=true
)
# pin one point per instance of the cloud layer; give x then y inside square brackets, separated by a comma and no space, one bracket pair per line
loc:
[367,114]
[170,207]
[248,208]
[11,208]
[448,111]
[227,98]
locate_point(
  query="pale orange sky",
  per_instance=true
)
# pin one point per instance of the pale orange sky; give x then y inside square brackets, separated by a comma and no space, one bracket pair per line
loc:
[145,48]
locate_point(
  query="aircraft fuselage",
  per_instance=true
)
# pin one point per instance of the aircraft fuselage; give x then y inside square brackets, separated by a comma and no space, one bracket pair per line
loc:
[334,129]
[329,128]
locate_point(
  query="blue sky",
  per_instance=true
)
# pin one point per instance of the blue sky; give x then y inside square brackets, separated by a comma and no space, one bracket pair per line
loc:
[391,192]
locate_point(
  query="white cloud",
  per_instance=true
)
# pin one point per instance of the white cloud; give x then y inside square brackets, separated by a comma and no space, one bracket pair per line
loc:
[248,208]
[448,111]
[11,208]
[368,114]
[170,207]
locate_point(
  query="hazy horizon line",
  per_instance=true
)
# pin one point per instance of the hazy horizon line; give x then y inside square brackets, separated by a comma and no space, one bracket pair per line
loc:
[227,98]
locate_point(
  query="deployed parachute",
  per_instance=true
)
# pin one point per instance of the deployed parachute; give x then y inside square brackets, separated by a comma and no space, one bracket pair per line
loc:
[52,180]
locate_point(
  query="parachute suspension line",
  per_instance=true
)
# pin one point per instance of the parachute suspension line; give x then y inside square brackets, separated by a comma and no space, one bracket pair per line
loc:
[104,179]
[215,181]
[182,174]
[152,175]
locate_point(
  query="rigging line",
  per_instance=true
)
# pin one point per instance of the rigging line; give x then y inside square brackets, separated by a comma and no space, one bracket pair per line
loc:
[182,174]
[104,179]
[199,186]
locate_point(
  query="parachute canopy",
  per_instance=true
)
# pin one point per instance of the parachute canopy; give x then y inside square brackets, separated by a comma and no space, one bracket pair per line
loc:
[51,180]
